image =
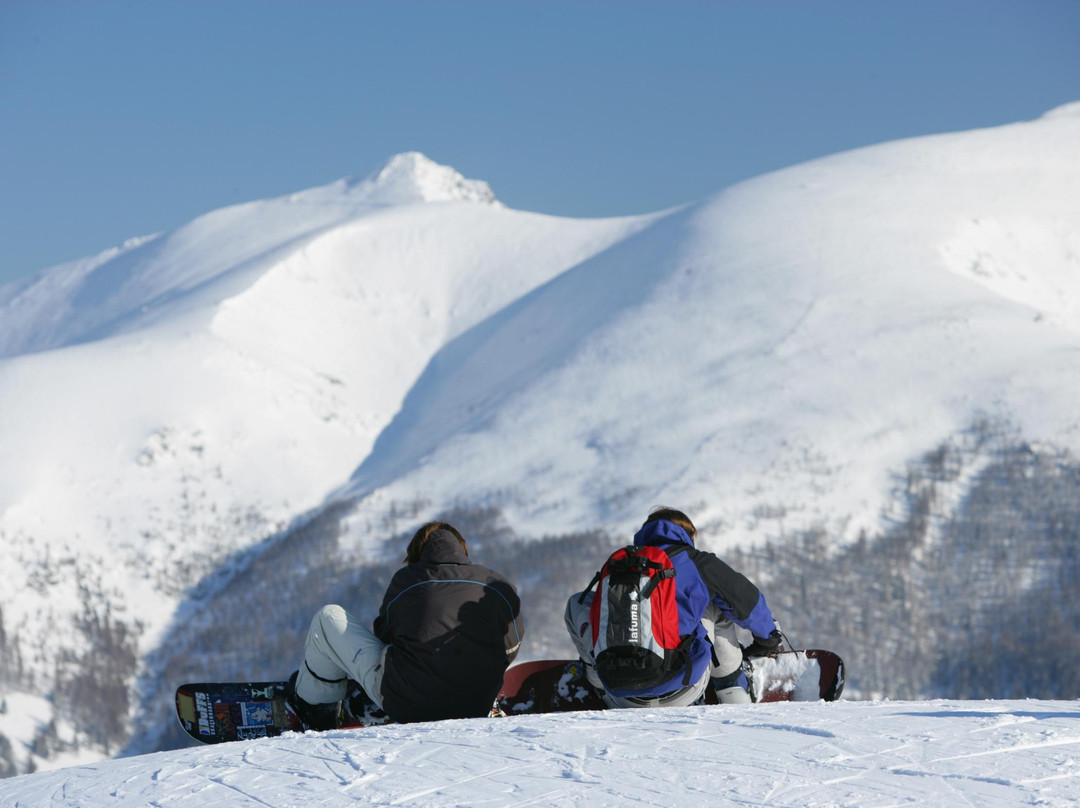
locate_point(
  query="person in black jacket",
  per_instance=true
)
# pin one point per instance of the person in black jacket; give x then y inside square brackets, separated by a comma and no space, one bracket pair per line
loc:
[445,634]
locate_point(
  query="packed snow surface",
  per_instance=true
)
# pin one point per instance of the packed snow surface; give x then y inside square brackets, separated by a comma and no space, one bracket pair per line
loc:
[937,753]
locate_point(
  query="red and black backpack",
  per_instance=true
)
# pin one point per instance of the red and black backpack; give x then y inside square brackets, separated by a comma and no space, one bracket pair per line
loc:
[635,619]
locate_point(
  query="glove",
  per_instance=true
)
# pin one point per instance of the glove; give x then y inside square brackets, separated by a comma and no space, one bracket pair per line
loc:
[765,646]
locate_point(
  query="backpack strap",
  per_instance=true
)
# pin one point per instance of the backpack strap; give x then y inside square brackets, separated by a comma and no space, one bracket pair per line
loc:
[682,652]
[632,562]
[647,591]
[587,589]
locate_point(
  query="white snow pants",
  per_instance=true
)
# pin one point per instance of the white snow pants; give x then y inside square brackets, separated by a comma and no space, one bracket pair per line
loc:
[339,647]
[723,634]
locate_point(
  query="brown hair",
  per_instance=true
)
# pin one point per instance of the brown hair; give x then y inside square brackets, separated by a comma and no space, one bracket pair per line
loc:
[677,517]
[420,538]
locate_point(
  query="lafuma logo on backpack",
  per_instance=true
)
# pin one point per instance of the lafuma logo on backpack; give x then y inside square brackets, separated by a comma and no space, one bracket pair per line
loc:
[635,616]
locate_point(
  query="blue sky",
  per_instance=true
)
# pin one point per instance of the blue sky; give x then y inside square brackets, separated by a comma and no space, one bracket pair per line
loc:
[120,119]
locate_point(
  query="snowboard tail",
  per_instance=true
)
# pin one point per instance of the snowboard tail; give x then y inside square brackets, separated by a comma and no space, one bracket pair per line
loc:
[547,686]
[215,712]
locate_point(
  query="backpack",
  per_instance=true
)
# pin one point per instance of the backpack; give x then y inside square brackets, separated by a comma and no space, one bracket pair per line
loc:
[634,617]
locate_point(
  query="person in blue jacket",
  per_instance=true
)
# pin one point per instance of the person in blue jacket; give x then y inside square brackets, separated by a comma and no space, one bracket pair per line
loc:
[728,603]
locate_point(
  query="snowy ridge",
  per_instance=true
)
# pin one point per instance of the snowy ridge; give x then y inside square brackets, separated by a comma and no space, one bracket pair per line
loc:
[936,753]
[208,260]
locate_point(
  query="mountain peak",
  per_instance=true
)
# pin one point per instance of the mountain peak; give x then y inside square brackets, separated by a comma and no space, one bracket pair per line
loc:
[413,177]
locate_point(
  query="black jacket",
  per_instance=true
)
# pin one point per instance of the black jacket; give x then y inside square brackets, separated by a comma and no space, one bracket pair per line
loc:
[453,627]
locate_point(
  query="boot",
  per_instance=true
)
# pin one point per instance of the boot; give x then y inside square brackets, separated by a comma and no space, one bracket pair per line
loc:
[318,717]
[733,695]
[360,709]
[733,688]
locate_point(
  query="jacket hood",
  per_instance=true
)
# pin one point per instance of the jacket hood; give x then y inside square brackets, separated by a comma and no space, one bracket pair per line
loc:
[442,547]
[661,531]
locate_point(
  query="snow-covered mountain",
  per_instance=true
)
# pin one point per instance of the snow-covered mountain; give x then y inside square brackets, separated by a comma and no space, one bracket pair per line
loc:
[765,358]
[182,396]
[937,753]
[784,346]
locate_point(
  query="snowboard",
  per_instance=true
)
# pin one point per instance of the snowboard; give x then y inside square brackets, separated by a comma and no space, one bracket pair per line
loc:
[215,712]
[559,685]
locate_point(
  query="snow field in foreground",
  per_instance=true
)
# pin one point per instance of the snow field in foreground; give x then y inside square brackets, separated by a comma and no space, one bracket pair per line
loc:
[986,753]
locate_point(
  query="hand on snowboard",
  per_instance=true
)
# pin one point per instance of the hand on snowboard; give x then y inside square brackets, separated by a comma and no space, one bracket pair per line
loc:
[765,646]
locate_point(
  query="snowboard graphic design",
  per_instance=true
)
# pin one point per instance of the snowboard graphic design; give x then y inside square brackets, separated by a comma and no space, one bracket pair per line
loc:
[213,712]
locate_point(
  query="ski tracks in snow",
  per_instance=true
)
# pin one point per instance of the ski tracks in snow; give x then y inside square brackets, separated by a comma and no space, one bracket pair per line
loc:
[795,754]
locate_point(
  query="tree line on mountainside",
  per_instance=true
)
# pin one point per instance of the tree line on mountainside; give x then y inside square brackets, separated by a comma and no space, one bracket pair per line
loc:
[972,602]
[91,682]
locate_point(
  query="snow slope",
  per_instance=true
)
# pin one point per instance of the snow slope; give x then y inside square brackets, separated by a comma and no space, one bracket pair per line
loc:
[939,753]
